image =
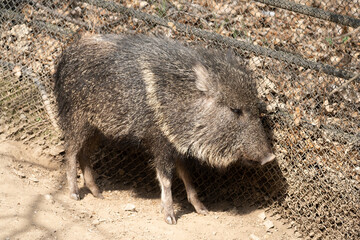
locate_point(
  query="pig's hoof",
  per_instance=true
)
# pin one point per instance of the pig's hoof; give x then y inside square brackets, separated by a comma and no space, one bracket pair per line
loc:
[201,209]
[170,219]
[75,196]
[99,195]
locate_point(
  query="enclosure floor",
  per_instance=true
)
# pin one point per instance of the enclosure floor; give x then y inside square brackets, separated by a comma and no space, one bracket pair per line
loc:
[34,204]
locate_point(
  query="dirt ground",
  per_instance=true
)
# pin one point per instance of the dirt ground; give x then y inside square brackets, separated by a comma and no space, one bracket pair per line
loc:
[34,204]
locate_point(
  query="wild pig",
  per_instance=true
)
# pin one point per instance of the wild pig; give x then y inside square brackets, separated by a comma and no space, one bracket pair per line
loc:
[176,101]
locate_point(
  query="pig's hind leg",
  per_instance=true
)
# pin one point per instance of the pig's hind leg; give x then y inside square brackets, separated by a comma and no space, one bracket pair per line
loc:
[190,189]
[71,173]
[79,147]
[89,179]
[84,160]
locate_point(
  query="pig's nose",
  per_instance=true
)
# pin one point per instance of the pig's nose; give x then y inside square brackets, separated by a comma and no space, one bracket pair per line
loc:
[270,157]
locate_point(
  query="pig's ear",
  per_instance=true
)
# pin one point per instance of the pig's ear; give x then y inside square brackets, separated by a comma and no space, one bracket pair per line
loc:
[203,81]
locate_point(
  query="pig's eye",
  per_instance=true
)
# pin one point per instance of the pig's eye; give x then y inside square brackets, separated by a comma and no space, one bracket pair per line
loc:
[238,112]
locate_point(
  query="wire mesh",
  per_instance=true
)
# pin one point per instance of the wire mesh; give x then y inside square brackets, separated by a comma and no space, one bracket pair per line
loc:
[304,54]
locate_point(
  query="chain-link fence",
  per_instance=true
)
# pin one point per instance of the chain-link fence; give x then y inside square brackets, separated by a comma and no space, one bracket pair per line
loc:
[305,56]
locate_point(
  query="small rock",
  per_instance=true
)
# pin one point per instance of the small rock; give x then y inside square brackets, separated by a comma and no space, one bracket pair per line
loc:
[253,237]
[17,71]
[143,4]
[269,13]
[225,10]
[95,222]
[262,216]
[23,116]
[50,198]
[20,174]
[76,12]
[56,150]
[20,31]
[172,26]
[292,224]
[298,235]
[34,179]
[130,207]
[268,225]
[334,59]
[255,62]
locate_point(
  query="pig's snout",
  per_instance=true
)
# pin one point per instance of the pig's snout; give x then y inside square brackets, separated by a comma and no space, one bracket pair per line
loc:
[268,158]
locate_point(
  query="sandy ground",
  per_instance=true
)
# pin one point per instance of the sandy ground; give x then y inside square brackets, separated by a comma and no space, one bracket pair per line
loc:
[34,204]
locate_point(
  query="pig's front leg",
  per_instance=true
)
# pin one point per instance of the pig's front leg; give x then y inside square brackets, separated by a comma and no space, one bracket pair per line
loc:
[166,196]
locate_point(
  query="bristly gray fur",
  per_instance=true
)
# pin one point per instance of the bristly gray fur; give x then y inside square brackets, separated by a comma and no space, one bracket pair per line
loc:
[177,101]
